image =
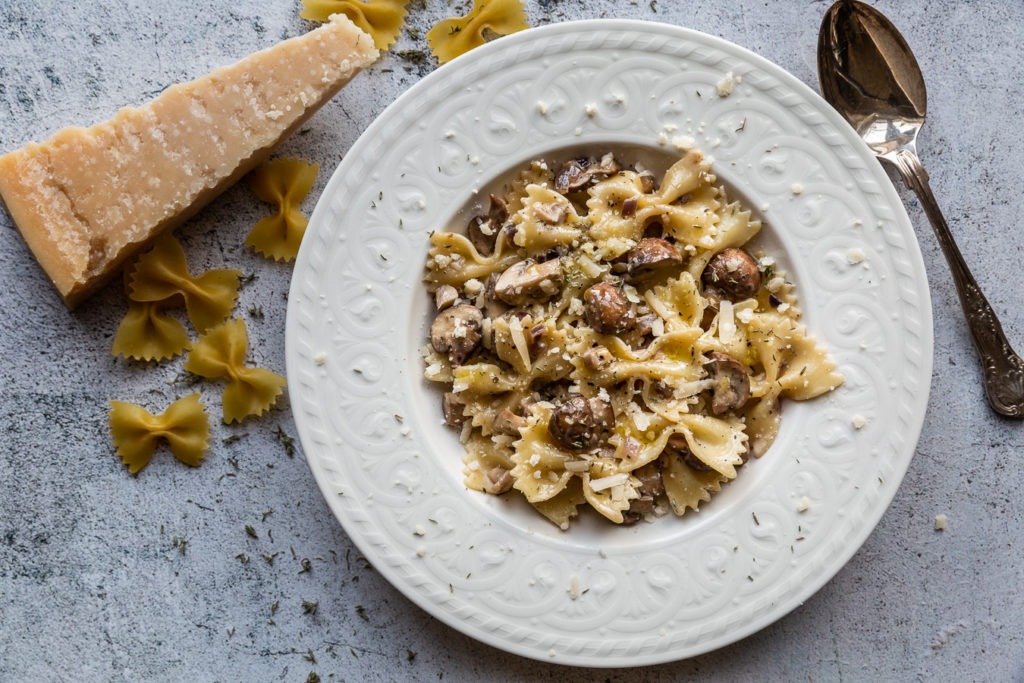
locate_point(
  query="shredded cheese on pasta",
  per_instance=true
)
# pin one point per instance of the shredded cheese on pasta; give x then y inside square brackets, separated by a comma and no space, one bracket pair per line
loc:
[611,343]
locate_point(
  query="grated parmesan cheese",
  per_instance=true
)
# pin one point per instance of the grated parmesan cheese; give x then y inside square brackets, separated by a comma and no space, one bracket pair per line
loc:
[607,482]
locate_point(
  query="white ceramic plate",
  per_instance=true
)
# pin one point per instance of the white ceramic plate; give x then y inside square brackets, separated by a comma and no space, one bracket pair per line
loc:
[370,426]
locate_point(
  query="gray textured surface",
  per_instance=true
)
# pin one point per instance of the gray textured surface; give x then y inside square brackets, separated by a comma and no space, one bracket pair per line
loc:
[94,581]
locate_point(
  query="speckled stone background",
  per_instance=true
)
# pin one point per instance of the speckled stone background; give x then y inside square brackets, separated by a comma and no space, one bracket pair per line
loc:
[104,576]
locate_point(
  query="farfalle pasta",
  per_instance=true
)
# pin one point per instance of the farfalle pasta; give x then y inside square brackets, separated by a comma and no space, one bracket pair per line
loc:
[220,354]
[607,340]
[284,183]
[147,331]
[159,280]
[458,35]
[382,19]
[136,432]
[161,275]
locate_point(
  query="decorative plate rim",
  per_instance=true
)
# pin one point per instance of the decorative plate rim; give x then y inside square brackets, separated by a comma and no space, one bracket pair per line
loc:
[320,341]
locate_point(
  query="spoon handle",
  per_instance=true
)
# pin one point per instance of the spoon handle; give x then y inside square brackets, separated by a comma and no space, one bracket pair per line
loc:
[1004,370]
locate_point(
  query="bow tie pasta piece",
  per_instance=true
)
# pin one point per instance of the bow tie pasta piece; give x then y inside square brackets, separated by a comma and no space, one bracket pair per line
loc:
[136,432]
[285,183]
[452,37]
[162,273]
[147,333]
[686,488]
[382,19]
[220,354]
[627,353]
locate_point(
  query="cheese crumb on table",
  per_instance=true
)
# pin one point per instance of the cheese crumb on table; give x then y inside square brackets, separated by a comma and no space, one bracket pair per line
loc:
[940,522]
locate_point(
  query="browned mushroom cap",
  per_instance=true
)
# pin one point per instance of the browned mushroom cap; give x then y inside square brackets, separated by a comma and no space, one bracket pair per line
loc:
[451,406]
[508,423]
[529,282]
[456,331]
[580,423]
[651,257]
[607,309]
[731,383]
[677,446]
[732,274]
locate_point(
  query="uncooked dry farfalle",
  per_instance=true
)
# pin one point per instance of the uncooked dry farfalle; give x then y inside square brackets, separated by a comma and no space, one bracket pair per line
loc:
[136,432]
[285,183]
[147,332]
[220,354]
[382,19]
[458,35]
[161,275]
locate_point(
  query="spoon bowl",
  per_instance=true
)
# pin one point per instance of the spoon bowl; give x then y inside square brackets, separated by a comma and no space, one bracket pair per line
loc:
[869,74]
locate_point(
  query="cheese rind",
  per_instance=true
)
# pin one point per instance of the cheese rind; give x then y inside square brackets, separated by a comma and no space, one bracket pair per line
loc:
[89,198]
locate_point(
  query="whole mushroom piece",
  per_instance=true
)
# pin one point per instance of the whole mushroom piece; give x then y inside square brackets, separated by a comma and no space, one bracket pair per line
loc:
[732,274]
[579,424]
[650,258]
[527,282]
[607,309]
[456,332]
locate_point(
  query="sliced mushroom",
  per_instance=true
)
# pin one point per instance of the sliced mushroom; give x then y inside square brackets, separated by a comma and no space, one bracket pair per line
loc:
[529,282]
[597,358]
[651,486]
[677,446]
[507,423]
[579,424]
[578,173]
[731,383]
[629,206]
[551,213]
[456,332]
[445,296]
[650,258]
[497,212]
[498,480]
[732,274]
[649,476]
[451,407]
[482,235]
[607,309]
[572,176]
[535,340]
[645,181]
[606,167]
[483,230]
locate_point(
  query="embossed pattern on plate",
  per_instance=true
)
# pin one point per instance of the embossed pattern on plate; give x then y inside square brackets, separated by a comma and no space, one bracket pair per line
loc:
[601,595]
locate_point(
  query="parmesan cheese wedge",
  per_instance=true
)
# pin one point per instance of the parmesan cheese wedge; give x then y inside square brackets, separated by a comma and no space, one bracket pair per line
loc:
[87,199]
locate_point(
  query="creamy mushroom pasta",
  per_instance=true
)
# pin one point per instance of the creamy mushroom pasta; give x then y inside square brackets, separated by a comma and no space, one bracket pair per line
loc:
[607,340]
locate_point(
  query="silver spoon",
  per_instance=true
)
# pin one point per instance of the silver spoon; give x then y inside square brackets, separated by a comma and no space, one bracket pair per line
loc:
[869,74]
